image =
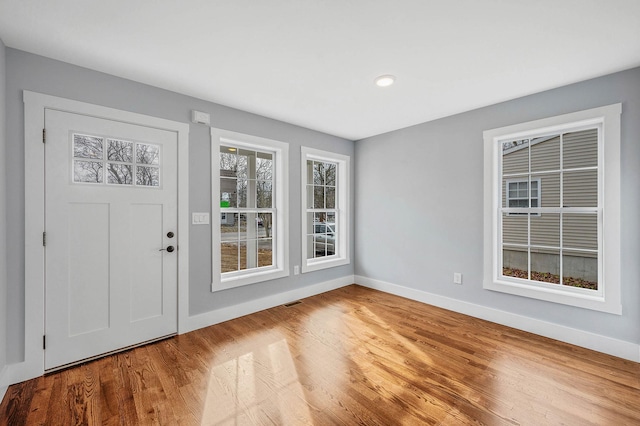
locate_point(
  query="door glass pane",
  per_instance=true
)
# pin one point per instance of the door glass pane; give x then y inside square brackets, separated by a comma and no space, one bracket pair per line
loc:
[87,171]
[120,151]
[119,174]
[147,176]
[87,147]
[147,154]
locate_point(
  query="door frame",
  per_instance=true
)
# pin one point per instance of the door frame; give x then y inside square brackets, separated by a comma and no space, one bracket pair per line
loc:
[35,105]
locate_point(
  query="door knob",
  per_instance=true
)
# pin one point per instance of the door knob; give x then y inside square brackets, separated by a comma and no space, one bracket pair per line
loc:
[170,249]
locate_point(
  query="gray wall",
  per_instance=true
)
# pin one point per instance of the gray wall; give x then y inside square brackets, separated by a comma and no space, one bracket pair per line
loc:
[3,242]
[31,72]
[419,201]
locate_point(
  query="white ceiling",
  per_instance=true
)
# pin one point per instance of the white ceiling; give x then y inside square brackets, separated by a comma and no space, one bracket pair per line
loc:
[313,62]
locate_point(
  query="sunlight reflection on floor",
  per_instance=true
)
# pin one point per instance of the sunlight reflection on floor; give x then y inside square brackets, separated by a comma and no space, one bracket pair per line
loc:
[256,386]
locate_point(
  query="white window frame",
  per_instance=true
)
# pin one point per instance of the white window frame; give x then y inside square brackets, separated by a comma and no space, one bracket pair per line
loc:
[342,231]
[280,152]
[608,296]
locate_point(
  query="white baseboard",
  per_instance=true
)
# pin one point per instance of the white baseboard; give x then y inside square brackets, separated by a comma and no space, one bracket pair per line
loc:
[585,339]
[241,309]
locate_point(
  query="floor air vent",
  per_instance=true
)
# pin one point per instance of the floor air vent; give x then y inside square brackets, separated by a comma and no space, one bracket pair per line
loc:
[290,304]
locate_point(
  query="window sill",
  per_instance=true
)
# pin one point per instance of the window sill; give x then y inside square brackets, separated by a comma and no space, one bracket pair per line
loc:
[571,297]
[249,278]
[316,265]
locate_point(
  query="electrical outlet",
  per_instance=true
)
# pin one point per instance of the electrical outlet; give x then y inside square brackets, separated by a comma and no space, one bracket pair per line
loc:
[457,278]
[296,270]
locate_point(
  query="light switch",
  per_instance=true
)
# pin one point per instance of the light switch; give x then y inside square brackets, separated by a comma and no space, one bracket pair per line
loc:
[199,218]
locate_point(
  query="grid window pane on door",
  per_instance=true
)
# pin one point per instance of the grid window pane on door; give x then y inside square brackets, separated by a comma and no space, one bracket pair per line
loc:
[549,221]
[321,201]
[248,213]
[111,161]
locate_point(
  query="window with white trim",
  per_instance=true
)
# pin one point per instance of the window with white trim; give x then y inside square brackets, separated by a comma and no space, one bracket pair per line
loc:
[519,193]
[325,214]
[563,244]
[250,192]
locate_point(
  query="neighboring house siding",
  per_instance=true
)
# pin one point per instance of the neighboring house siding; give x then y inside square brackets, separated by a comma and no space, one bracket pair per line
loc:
[579,190]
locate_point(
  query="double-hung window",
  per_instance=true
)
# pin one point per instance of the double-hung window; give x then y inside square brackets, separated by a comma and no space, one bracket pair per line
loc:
[325,213]
[249,196]
[552,203]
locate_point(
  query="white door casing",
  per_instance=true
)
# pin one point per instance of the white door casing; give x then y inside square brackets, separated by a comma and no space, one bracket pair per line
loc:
[109,282]
[34,108]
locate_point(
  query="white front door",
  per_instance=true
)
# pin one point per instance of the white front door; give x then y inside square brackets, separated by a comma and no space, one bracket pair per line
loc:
[111,224]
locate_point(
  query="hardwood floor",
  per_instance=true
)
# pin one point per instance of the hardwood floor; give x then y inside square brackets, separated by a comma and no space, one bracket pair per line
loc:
[346,357]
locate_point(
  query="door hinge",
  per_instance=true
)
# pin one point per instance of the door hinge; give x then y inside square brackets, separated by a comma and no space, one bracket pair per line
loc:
[44,342]
[44,135]
[44,239]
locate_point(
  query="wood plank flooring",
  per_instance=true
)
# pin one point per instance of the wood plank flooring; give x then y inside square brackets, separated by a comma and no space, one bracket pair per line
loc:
[352,356]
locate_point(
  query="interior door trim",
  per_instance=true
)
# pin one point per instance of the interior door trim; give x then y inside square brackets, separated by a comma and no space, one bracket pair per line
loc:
[35,105]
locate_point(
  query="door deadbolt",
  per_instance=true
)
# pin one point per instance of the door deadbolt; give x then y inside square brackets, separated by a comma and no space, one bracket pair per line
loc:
[170,234]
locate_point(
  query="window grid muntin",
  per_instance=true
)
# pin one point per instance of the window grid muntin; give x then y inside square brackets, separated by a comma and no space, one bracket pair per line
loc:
[105,162]
[503,180]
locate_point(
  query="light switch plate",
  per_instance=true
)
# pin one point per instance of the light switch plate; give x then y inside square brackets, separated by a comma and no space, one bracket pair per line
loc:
[199,218]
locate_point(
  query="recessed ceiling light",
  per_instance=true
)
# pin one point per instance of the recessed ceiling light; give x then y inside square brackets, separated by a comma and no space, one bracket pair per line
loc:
[385,80]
